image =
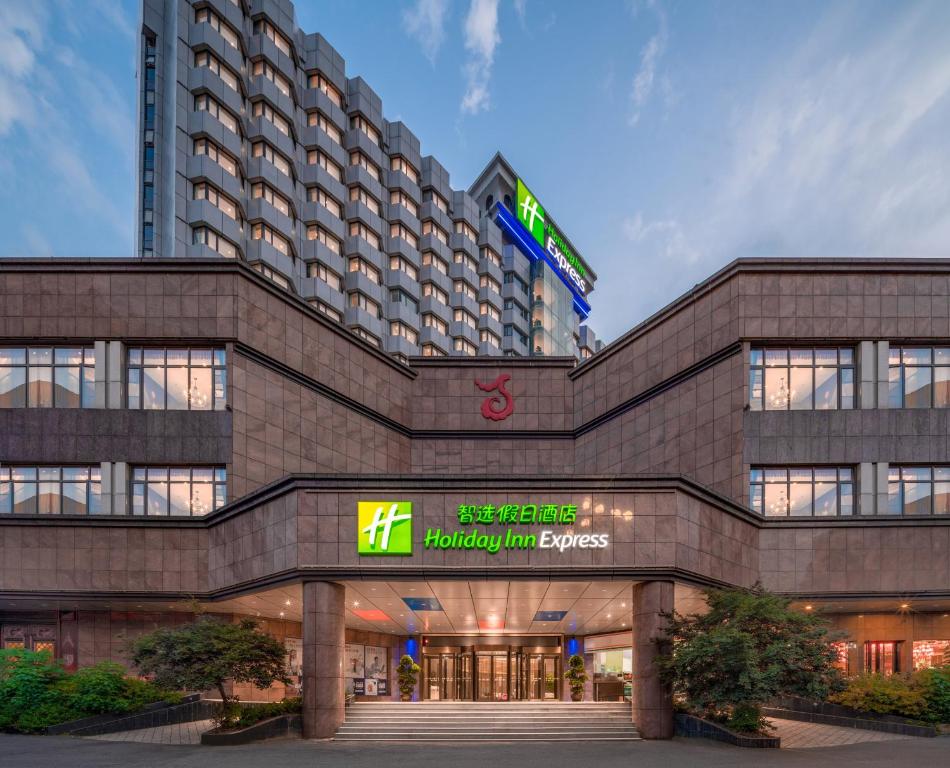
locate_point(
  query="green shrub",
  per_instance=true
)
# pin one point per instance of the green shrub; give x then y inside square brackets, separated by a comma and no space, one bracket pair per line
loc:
[936,687]
[922,695]
[254,713]
[36,692]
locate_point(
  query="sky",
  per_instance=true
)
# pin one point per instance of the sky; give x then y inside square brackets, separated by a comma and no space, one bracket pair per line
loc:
[666,138]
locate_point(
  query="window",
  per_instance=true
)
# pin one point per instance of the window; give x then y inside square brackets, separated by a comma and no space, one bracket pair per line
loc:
[359,265]
[494,258]
[178,491]
[430,196]
[466,230]
[364,302]
[431,289]
[358,194]
[265,69]
[429,259]
[272,274]
[488,337]
[316,80]
[273,197]
[928,654]
[358,158]
[431,228]
[366,336]
[204,191]
[207,16]
[460,286]
[265,110]
[316,232]
[399,264]
[918,490]
[265,150]
[321,121]
[516,308]
[361,124]
[461,316]
[209,60]
[210,238]
[882,658]
[264,27]
[460,257]
[204,103]
[177,379]
[464,346]
[434,321]
[431,350]
[802,491]
[512,279]
[400,164]
[400,230]
[398,197]
[487,281]
[490,310]
[318,270]
[316,157]
[218,155]
[327,310]
[359,229]
[50,490]
[401,329]
[398,296]
[266,233]
[47,377]
[919,377]
[319,195]
[795,379]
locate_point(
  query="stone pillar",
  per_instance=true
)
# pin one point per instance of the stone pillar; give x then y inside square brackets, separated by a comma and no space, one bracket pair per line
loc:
[883,374]
[652,700]
[323,646]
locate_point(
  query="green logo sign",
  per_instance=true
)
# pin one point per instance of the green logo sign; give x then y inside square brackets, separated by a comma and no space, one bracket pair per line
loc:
[384,528]
[530,213]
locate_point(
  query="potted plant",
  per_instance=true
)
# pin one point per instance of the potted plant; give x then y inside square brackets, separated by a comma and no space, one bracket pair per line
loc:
[576,676]
[407,674]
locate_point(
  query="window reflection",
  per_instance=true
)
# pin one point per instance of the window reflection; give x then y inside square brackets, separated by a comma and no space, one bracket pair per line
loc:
[177,379]
[47,377]
[802,491]
[50,490]
[181,491]
[919,377]
[918,490]
[801,379]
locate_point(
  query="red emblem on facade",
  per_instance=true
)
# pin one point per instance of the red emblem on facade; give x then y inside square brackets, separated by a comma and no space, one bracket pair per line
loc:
[494,407]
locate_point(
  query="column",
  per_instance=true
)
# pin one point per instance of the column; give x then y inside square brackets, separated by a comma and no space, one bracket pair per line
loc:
[323,645]
[652,700]
[883,374]
[867,370]
[115,375]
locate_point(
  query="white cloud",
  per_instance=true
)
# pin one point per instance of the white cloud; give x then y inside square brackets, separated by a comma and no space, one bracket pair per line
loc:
[481,40]
[521,9]
[425,21]
[645,78]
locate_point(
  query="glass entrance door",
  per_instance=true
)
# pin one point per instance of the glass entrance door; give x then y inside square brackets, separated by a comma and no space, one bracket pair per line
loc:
[492,676]
[442,681]
[542,676]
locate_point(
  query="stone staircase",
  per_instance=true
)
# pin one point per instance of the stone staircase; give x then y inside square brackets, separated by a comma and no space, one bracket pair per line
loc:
[474,721]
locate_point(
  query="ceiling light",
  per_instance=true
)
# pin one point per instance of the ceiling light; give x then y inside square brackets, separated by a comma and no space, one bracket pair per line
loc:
[808,607]
[904,606]
[356,603]
[287,602]
[281,614]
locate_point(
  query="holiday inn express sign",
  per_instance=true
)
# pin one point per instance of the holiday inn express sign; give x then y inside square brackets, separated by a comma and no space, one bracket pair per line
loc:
[385,528]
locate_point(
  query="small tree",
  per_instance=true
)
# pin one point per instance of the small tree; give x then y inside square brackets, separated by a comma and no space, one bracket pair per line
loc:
[407,674]
[748,649]
[205,654]
[576,676]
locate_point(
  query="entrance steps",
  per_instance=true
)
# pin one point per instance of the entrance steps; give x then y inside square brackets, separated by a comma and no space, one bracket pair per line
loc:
[487,721]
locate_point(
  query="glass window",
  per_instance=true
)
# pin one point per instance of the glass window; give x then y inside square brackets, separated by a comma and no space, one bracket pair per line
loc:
[316,157]
[178,491]
[265,110]
[882,658]
[265,150]
[316,232]
[363,125]
[919,377]
[918,490]
[929,654]
[218,155]
[316,80]
[319,195]
[204,103]
[398,197]
[318,270]
[401,165]
[358,158]
[50,490]
[802,491]
[264,27]
[801,379]
[177,379]
[47,377]
[268,193]
[320,120]
[265,69]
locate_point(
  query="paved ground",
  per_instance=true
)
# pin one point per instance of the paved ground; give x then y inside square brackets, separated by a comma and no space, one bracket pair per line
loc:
[798,735]
[182,733]
[44,751]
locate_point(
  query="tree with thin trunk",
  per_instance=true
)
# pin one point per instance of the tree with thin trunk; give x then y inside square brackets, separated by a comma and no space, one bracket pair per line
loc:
[205,654]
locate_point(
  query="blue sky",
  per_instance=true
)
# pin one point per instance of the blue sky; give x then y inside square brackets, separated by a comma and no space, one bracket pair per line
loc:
[667,138]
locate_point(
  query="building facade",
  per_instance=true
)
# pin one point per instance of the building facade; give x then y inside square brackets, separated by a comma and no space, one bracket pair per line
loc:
[255,145]
[177,431]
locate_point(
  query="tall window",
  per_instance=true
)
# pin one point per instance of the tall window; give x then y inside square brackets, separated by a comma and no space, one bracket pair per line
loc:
[177,379]
[802,491]
[918,491]
[882,658]
[178,491]
[149,45]
[783,379]
[47,377]
[50,491]
[919,377]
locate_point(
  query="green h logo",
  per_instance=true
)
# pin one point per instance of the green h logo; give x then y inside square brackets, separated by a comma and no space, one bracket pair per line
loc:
[384,528]
[530,212]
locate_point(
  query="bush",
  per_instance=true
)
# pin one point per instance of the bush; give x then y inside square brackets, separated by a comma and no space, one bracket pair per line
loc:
[254,713]
[923,695]
[36,692]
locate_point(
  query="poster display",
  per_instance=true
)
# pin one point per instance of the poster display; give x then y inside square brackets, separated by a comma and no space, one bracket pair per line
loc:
[353,662]
[376,669]
[294,647]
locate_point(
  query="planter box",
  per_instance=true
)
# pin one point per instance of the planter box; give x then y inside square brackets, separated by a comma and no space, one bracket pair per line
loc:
[835,714]
[690,725]
[271,728]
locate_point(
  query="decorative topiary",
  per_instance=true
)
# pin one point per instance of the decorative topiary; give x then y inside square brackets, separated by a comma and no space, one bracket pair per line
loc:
[407,674]
[576,676]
